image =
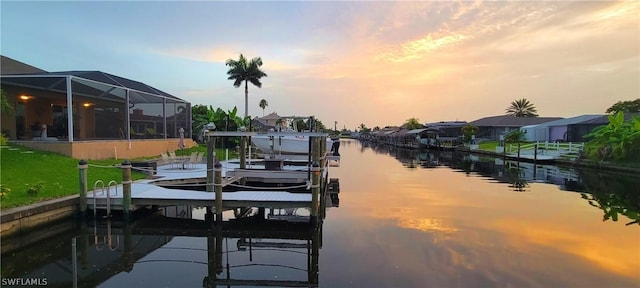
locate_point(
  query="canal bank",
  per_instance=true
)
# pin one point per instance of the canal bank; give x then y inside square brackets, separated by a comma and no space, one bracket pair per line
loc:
[20,220]
[603,165]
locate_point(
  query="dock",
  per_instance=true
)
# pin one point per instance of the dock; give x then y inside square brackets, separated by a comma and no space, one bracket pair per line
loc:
[147,192]
[276,181]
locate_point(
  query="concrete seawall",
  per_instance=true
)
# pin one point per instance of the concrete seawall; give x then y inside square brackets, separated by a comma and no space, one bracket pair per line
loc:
[605,166]
[19,220]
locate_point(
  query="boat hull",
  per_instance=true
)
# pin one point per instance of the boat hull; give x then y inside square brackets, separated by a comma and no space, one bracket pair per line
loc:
[284,144]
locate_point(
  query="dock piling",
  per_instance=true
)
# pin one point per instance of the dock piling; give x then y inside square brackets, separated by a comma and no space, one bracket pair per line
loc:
[82,171]
[218,188]
[211,142]
[243,152]
[126,188]
[315,191]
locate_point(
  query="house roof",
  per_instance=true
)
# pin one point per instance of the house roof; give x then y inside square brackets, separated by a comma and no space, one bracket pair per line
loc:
[443,124]
[416,131]
[510,121]
[604,119]
[270,116]
[566,121]
[10,66]
[88,83]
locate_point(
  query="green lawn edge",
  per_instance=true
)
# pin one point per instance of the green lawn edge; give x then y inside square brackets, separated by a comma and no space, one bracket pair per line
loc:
[29,176]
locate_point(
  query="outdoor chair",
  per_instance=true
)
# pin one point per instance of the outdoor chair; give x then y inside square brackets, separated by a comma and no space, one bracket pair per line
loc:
[192,159]
[167,160]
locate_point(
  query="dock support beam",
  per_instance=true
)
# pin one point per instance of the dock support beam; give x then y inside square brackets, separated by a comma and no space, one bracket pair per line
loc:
[126,188]
[243,152]
[218,188]
[211,144]
[82,171]
[315,191]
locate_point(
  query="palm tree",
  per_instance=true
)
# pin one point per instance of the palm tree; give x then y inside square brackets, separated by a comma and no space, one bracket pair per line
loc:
[240,70]
[522,108]
[263,104]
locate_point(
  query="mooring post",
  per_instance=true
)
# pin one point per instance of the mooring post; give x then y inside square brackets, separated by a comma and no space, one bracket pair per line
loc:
[315,191]
[243,152]
[218,188]
[82,171]
[211,142]
[518,151]
[126,188]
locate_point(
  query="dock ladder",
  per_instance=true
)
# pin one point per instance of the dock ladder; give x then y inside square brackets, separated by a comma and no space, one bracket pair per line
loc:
[100,190]
[107,240]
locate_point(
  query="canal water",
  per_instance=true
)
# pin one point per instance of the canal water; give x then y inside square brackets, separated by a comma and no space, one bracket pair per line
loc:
[403,219]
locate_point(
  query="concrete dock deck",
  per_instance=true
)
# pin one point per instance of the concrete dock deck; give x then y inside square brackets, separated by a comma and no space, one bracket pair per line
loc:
[146,192]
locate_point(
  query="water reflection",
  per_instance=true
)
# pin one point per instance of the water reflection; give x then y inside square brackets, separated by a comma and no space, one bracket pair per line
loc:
[614,194]
[473,230]
[171,249]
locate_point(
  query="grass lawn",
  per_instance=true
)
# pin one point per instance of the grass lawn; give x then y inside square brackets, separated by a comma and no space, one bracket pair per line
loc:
[35,176]
[488,145]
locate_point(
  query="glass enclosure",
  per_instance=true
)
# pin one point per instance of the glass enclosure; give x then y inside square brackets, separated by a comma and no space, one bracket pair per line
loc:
[99,111]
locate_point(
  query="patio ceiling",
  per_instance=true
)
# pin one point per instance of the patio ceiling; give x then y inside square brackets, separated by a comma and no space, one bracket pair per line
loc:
[93,84]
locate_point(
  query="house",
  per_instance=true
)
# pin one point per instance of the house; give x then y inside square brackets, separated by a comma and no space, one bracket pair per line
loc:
[553,130]
[269,121]
[577,131]
[90,114]
[451,129]
[493,127]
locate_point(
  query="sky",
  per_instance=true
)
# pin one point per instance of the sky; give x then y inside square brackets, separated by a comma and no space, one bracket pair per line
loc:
[363,62]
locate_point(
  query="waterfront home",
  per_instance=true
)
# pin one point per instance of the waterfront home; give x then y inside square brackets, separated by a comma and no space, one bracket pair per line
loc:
[448,129]
[493,127]
[577,131]
[90,114]
[554,131]
[267,122]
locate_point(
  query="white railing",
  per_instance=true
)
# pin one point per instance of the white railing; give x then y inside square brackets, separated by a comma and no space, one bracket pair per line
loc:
[556,149]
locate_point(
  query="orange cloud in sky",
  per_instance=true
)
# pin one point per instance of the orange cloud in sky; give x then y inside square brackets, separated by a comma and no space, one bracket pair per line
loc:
[380,63]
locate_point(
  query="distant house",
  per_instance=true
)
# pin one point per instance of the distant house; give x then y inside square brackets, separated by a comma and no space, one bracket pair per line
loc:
[577,131]
[448,129]
[267,122]
[554,130]
[90,114]
[492,127]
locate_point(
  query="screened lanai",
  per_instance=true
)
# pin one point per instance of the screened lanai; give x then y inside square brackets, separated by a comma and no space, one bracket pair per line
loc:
[90,105]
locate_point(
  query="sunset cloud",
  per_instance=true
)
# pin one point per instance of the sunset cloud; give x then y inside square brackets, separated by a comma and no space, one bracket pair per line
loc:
[389,61]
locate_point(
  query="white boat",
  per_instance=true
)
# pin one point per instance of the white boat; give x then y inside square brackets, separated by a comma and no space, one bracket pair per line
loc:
[290,144]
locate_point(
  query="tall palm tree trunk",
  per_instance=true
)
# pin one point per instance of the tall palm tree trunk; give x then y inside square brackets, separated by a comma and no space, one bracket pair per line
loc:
[246,98]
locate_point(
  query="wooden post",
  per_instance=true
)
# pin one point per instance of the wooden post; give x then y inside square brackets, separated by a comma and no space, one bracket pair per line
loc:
[315,179]
[82,171]
[126,188]
[243,152]
[518,151]
[316,243]
[211,144]
[218,188]
[535,155]
[128,250]
[315,191]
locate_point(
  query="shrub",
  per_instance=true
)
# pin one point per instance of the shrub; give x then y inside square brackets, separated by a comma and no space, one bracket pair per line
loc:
[514,136]
[468,131]
[618,140]
[3,139]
